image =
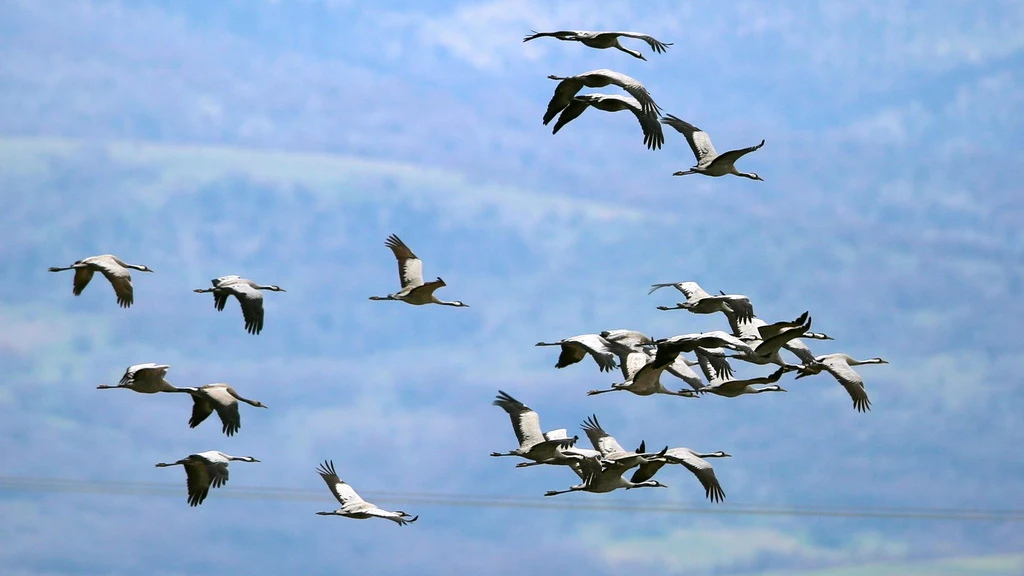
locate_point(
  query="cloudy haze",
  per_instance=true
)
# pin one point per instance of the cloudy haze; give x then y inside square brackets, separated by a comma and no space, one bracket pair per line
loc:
[284,140]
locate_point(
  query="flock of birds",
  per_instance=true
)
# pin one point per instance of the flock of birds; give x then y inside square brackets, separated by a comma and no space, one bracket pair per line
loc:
[641,358]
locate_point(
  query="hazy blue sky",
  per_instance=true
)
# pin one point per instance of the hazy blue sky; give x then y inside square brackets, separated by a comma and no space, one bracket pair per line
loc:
[284,140]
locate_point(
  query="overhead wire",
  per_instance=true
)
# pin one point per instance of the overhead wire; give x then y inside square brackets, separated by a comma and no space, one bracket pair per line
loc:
[120,488]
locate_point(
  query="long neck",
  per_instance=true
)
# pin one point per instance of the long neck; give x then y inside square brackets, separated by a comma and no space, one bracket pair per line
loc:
[633,53]
[745,174]
[855,362]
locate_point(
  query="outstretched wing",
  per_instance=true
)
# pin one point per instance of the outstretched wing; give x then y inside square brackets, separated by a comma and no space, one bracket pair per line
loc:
[771,330]
[647,470]
[227,408]
[341,490]
[563,96]
[654,137]
[740,306]
[594,345]
[201,409]
[703,471]
[850,380]
[601,440]
[698,140]
[82,278]
[715,367]
[732,156]
[399,518]
[691,290]
[629,84]
[525,421]
[410,268]
[633,363]
[655,45]
[197,481]
[251,301]
[576,107]
[119,279]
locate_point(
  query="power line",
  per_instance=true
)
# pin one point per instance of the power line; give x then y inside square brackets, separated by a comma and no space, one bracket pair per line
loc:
[60,485]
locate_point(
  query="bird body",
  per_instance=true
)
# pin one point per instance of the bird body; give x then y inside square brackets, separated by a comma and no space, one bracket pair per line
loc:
[700,302]
[113,268]
[602,40]
[642,377]
[533,443]
[840,367]
[410,272]
[221,398]
[654,137]
[709,162]
[352,505]
[611,452]
[601,478]
[205,470]
[568,86]
[248,294]
[670,348]
[576,348]
[145,378]
[692,461]
[627,340]
[720,382]
[766,351]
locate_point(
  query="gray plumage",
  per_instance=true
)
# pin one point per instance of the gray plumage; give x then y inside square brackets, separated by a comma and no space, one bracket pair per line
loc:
[147,378]
[601,478]
[352,505]
[642,376]
[410,272]
[709,162]
[248,294]
[222,399]
[692,461]
[602,40]
[840,367]
[569,86]
[720,382]
[654,137]
[534,444]
[576,348]
[113,268]
[699,301]
[205,470]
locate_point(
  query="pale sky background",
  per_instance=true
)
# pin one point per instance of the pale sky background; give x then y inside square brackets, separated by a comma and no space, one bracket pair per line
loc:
[284,140]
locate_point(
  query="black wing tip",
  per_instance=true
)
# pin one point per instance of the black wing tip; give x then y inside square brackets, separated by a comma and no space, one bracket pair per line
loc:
[326,468]
[503,397]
